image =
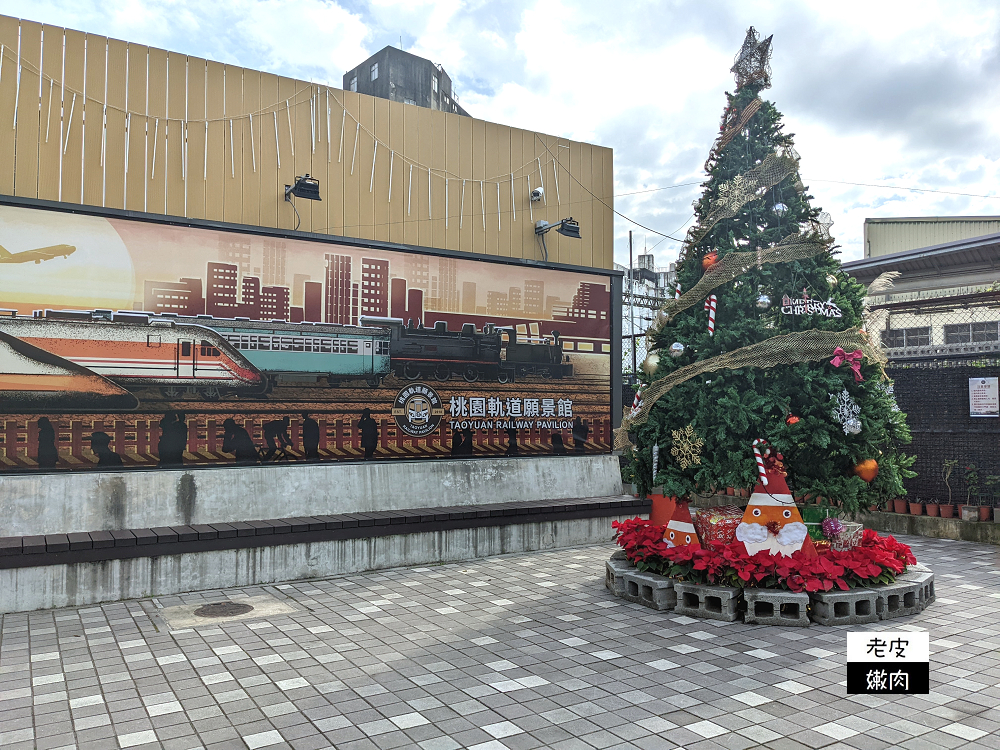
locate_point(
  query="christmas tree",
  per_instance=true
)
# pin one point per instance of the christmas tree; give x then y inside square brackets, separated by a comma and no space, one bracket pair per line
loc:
[766,340]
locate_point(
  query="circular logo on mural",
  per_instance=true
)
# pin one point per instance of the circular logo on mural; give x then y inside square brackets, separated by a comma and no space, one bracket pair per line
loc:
[417,410]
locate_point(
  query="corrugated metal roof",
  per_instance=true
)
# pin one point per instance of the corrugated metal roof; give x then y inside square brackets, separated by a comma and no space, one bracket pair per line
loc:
[896,235]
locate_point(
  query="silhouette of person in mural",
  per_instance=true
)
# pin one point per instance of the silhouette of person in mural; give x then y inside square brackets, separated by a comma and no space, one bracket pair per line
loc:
[310,437]
[237,441]
[100,443]
[368,428]
[558,446]
[512,441]
[276,435]
[48,454]
[173,439]
[457,443]
[469,441]
[580,432]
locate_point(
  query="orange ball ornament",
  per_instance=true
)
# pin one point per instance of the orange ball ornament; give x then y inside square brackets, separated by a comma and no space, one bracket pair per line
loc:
[709,260]
[867,469]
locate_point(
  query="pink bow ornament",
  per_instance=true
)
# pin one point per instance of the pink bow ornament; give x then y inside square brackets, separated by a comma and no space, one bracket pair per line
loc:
[853,360]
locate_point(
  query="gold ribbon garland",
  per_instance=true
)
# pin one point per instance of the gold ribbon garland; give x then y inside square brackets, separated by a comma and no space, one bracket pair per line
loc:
[790,348]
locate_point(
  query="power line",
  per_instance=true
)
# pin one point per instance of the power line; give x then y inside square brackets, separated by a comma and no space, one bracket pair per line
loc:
[653,190]
[900,187]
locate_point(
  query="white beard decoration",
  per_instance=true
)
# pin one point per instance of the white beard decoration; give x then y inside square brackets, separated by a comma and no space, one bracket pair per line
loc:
[792,534]
[752,533]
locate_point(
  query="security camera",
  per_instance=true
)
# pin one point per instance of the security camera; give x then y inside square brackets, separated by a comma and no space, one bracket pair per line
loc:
[537,194]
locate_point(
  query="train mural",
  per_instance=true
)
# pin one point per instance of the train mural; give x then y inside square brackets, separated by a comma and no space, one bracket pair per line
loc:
[159,345]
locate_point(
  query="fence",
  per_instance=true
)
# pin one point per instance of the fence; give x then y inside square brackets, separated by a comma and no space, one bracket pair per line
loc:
[935,347]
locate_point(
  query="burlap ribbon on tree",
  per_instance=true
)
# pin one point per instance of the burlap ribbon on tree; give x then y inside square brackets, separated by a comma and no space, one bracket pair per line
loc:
[743,188]
[793,247]
[730,132]
[790,348]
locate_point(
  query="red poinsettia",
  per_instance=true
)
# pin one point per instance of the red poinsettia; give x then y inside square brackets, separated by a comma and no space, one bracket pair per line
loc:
[877,560]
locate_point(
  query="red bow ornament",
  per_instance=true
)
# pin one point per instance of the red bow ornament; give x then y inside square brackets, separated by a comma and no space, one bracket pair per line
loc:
[852,359]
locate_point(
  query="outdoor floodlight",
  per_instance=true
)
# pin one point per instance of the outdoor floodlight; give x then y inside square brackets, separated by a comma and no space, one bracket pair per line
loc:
[306,188]
[567,227]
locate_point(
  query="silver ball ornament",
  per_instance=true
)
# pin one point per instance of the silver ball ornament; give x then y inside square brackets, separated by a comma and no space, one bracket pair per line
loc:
[763,302]
[676,349]
[650,363]
[852,426]
[781,209]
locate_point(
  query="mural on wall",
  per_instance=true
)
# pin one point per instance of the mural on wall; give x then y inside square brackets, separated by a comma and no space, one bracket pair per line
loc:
[142,344]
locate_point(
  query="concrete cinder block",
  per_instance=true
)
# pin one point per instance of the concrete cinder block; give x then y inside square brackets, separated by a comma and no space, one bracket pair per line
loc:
[709,602]
[924,580]
[776,607]
[614,575]
[854,607]
[898,599]
[650,590]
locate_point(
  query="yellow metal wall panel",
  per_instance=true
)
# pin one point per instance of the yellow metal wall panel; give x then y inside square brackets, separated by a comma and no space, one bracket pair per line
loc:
[174,150]
[351,216]
[380,185]
[218,127]
[136,136]
[267,157]
[518,219]
[280,116]
[249,129]
[453,191]
[411,227]
[195,182]
[237,172]
[71,190]
[301,126]
[233,146]
[363,169]
[606,258]
[9,30]
[396,200]
[478,174]
[114,179]
[156,128]
[50,114]
[93,118]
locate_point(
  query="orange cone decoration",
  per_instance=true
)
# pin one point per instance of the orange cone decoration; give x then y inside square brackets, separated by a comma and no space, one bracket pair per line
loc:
[680,531]
[772,521]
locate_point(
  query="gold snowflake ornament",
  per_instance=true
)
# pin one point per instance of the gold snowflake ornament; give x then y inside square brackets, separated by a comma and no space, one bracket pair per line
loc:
[687,447]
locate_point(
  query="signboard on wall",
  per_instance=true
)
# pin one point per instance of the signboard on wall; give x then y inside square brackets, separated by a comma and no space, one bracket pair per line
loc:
[984,397]
[128,343]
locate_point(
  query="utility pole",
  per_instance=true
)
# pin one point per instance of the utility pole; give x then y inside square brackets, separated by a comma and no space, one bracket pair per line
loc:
[631,304]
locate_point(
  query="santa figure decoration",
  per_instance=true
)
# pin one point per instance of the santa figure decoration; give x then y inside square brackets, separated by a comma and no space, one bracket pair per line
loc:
[772,522]
[680,530]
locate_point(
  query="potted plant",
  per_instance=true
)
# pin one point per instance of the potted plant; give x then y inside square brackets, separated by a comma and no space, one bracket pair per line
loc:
[948,509]
[970,512]
[899,504]
[933,508]
[992,483]
[916,507]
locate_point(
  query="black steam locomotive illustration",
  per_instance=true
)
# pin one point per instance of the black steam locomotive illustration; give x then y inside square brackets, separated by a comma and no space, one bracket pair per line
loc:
[418,353]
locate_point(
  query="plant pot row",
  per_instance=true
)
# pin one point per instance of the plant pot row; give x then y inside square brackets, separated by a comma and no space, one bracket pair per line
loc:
[945,510]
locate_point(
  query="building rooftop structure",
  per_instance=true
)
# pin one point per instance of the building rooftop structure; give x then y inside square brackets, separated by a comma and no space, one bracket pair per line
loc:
[898,234]
[401,76]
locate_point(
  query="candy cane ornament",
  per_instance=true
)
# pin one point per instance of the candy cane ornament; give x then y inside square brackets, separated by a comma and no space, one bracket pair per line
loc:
[677,291]
[636,403]
[760,460]
[710,304]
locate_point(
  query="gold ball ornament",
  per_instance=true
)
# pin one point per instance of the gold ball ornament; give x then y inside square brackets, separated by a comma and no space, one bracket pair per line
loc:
[831,279]
[650,363]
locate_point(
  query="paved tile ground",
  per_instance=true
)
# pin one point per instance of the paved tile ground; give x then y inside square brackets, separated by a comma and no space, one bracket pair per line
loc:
[518,652]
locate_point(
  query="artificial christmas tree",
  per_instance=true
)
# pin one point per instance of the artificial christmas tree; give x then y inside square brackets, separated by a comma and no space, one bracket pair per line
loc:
[767,340]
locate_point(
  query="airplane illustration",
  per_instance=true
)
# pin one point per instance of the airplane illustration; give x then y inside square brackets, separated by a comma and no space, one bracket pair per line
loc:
[37,255]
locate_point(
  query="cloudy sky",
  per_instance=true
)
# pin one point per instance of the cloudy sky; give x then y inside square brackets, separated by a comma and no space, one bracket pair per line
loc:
[889,94]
